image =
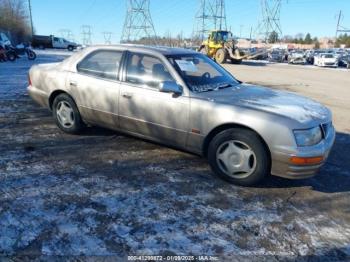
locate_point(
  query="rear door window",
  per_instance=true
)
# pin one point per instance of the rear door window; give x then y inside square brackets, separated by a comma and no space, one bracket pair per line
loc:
[104,64]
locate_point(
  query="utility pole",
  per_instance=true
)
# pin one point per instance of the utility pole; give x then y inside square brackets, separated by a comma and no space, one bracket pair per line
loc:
[107,36]
[86,31]
[270,22]
[138,22]
[211,15]
[30,16]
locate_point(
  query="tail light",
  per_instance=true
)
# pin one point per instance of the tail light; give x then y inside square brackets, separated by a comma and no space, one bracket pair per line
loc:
[29,81]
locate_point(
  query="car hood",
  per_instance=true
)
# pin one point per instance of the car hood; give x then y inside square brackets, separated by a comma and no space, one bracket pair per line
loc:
[282,103]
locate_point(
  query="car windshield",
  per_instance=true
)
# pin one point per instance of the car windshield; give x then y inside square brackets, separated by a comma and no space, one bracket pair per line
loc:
[200,73]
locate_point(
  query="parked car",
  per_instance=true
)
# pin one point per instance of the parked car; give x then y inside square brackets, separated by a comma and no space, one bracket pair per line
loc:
[276,56]
[328,59]
[182,98]
[344,61]
[297,57]
[43,41]
[4,40]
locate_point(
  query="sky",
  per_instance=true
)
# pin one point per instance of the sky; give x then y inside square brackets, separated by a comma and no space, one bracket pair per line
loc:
[319,17]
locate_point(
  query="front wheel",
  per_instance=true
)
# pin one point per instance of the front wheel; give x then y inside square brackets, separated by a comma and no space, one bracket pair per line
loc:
[70,48]
[31,55]
[239,156]
[221,56]
[66,114]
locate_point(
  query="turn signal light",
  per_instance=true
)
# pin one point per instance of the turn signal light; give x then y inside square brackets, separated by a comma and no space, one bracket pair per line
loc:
[306,160]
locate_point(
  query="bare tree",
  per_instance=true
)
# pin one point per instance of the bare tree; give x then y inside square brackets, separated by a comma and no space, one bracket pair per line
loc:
[14,20]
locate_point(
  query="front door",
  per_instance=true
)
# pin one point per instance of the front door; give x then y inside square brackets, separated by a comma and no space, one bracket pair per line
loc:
[144,110]
[96,87]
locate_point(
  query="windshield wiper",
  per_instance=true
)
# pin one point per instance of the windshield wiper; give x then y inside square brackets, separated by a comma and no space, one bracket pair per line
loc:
[222,86]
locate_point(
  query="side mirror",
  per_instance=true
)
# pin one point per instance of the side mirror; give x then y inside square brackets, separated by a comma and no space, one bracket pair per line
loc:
[170,87]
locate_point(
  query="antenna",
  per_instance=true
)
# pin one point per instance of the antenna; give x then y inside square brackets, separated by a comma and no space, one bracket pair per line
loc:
[107,36]
[86,31]
[138,22]
[210,16]
[271,12]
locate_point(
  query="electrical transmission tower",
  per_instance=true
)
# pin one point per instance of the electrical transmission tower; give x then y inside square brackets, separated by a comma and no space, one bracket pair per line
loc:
[86,31]
[67,34]
[138,22]
[340,28]
[107,36]
[210,16]
[270,22]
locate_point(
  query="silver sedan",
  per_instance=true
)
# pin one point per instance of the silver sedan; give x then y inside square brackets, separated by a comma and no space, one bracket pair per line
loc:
[184,99]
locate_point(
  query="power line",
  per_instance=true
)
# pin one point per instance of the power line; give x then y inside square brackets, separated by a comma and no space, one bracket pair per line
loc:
[210,16]
[270,22]
[138,22]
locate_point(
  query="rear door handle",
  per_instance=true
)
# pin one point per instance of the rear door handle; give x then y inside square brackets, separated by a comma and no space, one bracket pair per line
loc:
[73,83]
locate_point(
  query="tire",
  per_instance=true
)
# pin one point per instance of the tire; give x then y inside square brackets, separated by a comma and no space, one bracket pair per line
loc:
[236,61]
[11,56]
[247,149]
[31,55]
[66,114]
[70,48]
[221,56]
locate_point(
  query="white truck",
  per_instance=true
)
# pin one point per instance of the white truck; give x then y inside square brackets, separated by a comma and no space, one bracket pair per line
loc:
[43,41]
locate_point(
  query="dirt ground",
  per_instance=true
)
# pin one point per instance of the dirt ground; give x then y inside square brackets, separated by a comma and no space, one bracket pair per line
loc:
[106,194]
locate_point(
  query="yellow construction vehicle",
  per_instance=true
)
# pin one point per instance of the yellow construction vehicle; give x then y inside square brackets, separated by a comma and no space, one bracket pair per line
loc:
[220,46]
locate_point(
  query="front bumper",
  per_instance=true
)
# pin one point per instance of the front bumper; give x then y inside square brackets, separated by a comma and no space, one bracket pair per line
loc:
[282,166]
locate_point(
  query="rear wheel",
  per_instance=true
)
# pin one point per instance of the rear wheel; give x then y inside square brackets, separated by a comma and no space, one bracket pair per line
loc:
[70,48]
[11,56]
[66,114]
[239,156]
[221,56]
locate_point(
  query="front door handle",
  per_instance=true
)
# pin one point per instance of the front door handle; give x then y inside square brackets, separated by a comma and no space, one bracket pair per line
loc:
[73,83]
[127,95]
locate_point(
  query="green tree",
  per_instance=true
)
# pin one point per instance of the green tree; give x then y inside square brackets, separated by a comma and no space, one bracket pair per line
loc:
[273,37]
[308,39]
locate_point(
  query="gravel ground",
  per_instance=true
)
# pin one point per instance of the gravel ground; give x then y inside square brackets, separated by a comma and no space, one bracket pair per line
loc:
[106,194]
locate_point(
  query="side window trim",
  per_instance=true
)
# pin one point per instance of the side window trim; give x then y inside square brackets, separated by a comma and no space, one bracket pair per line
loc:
[122,61]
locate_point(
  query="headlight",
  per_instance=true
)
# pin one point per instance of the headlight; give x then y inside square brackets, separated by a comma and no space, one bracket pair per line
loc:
[308,137]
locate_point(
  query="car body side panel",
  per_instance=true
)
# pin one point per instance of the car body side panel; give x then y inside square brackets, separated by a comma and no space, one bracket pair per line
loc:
[96,98]
[154,114]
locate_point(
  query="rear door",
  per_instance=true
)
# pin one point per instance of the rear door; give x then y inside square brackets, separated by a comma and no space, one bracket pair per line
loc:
[144,110]
[96,87]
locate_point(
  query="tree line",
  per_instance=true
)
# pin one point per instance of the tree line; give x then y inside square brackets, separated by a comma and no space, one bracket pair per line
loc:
[14,20]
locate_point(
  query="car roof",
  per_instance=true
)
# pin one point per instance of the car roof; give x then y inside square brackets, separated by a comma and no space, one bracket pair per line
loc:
[141,48]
